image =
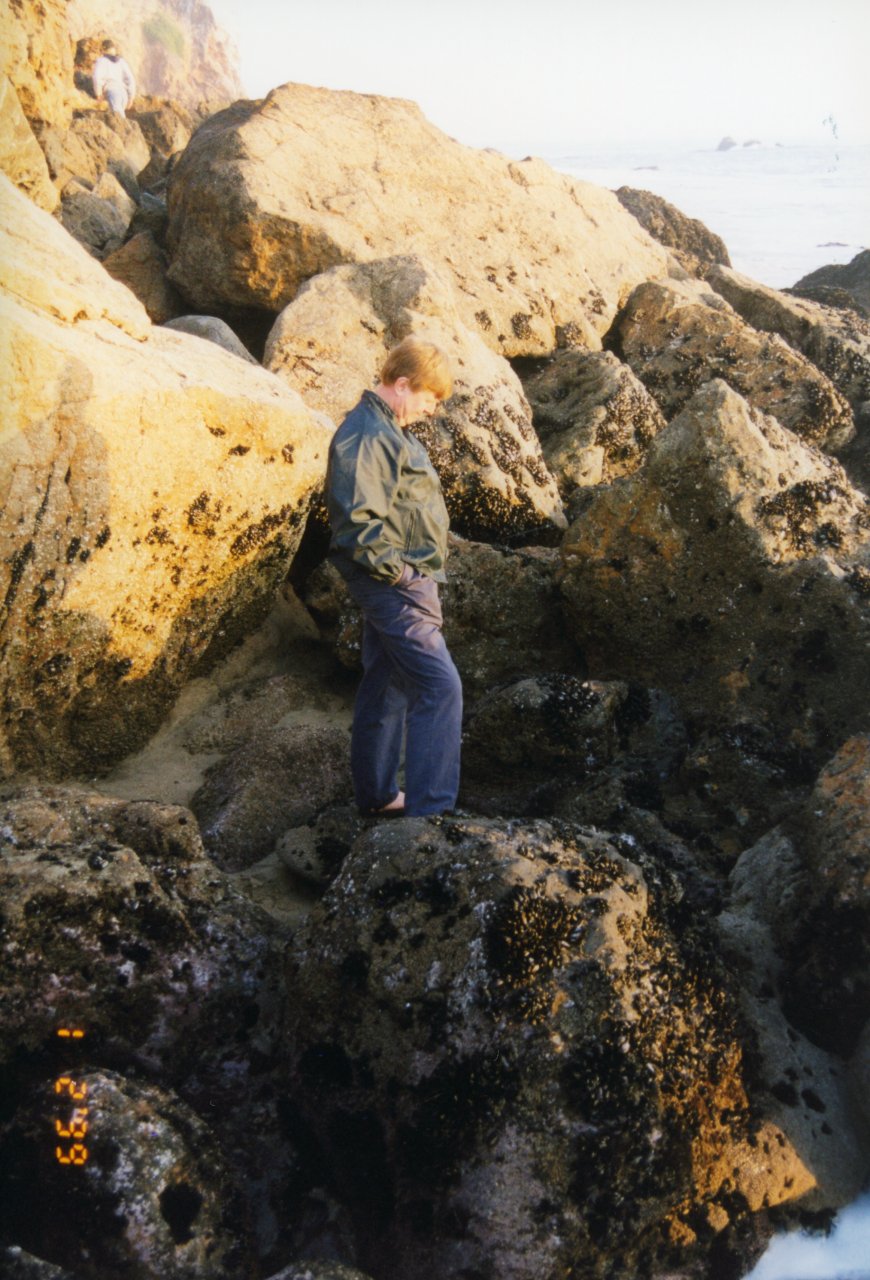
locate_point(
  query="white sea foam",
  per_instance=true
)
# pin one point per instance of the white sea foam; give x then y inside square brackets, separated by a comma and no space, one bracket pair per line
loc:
[843,1255]
[782,211]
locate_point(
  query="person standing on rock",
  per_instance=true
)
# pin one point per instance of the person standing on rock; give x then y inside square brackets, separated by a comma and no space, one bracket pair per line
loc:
[113,80]
[389,542]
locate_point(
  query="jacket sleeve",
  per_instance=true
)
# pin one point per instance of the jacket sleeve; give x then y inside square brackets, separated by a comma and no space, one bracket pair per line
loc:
[129,81]
[362,483]
[97,76]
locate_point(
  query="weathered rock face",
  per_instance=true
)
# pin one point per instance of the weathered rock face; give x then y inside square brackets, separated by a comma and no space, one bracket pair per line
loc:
[593,416]
[97,142]
[511,1063]
[116,922]
[98,219]
[37,57]
[676,336]
[21,157]
[827,284]
[796,924]
[270,194]
[837,343]
[330,343]
[693,244]
[732,572]
[128,555]
[278,779]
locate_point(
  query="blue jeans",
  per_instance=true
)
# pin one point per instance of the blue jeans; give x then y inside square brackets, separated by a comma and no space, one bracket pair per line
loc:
[409,685]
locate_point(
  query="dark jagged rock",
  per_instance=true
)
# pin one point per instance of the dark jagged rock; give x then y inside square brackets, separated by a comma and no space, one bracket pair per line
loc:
[694,245]
[116,921]
[534,747]
[278,779]
[677,336]
[826,941]
[851,278]
[319,1271]
[512,1065]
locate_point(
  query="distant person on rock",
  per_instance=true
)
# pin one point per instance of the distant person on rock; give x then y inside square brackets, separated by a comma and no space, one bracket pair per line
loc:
[113,80]
[389,542]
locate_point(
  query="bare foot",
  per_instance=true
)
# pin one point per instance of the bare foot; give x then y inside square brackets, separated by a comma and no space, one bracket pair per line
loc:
[398,802]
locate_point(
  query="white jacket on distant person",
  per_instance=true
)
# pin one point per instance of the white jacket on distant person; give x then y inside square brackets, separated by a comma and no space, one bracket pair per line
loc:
[113,80]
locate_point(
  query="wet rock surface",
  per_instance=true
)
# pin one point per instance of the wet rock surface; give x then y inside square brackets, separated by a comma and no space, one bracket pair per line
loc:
[509,1089]
[156,1192]
[117,923]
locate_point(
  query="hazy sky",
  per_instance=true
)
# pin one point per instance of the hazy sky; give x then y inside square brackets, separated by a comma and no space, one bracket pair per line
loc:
[548,75]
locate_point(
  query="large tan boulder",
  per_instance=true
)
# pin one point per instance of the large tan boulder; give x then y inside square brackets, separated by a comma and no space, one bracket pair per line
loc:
[330,342]
[678,335]
[733,570]
[269,194]
[21,157]
[153,493]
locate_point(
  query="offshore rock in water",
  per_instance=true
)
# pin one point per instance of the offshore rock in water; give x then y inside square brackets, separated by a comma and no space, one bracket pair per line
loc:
[512,1065]
[851,279]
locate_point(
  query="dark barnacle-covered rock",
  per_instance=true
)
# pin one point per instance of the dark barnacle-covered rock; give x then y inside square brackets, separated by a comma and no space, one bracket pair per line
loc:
[510,1065]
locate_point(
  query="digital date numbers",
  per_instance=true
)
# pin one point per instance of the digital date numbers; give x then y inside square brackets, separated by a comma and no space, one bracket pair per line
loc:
[72,1123]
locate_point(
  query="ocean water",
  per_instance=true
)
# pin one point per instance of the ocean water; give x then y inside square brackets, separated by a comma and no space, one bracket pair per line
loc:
[782,211]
